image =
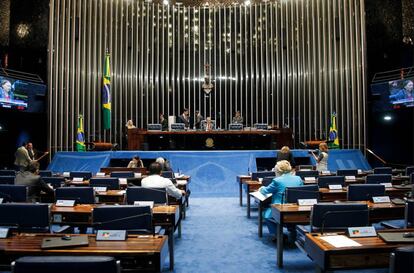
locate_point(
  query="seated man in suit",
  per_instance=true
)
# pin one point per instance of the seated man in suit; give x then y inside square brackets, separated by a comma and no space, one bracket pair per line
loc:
[208,125]
[31,178]
[155,180]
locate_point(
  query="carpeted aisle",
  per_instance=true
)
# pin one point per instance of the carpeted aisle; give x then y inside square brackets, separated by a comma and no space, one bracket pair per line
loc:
[217,237]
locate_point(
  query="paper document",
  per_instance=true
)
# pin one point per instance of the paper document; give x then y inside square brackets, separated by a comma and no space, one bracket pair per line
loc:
[181,182]
[339,241]
[258,195]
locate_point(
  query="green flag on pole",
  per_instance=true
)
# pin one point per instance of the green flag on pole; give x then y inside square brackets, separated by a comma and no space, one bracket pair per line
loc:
[80,136]
[333,139]
[106,94]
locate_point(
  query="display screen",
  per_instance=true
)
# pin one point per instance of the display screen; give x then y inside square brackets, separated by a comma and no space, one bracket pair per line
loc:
[393,95]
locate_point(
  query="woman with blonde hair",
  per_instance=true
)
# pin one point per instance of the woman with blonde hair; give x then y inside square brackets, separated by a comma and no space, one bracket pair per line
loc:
[322,158]
[285,154]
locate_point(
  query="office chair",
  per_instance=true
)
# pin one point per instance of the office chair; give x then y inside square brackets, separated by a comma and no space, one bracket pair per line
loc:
[84,175]
[45,173]
[82,195]
[292,194]
[402,260]
[66,264]
[383,170]
[409,170]
[304,174]
[123,174]
[7,179]
[167,174]
[305,167]
[55,182]
[325,181]
[378,178]
[267,180]
[134,219]
[7,173]
[407,222]
[25,217]
[257,175]
[13,193]
[158,195]
[347,172]
[109,183]
[365,192]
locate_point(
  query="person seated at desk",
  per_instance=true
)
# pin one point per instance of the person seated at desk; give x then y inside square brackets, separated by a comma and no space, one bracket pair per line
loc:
[155,180]
[285,154]
[208,125]
[163,122]
[33,181]
[277,189]
[165,164]
[237,118]
[136,162]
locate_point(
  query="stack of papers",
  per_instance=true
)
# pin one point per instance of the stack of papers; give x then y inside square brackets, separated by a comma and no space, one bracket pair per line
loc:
[339,241]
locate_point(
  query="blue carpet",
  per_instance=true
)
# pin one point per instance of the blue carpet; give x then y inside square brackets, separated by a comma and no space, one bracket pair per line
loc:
[217,237]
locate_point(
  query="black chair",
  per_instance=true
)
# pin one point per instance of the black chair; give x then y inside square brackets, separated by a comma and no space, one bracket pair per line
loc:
[84,175]
[383,170]
[122,174]
[45,173]
[7,180]
[66,264]
[304,174]
[402,260]
[109,183]
[267,180]
[7,173]
[408,221]
[257,175]
[292,194]
[305,167]
[158,195]
[409,170]
[325,181]
[168,174]
[365,192]
[378,178]
[55,182]
[82,195]
[13,193]
[25,217]
[134,219]
[347,172]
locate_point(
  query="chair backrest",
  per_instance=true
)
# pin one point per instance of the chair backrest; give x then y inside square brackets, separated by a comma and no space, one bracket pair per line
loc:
[7,179]
[409,170]
[338,216]
[267,180]
[412,178]
[122,174]
[409,213]
[85,175]
[55,182]
[82,195]
[325,181]
[132,218]
[66,264]
[167,174]
[45,173]
[292,194]
[24,216]
[7,173]
[13,193]
[304,174]
[158,195]
[378,178]
[111,183]
[347,172]
[383,170]
[257,175]
[365,192]
[402,260]
[305,167]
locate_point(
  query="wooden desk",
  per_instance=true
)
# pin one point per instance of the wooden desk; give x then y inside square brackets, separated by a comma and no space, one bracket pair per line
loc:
[145,253]
[109,170]
[251,185]
[294,214]
[240,179]
[333,195]
[373,253]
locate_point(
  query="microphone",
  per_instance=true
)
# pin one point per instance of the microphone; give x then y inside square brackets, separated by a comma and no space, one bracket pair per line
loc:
[327,214]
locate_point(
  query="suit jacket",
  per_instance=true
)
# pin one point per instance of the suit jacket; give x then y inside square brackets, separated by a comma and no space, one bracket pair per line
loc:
[34,183]
[22,157]
[182,119]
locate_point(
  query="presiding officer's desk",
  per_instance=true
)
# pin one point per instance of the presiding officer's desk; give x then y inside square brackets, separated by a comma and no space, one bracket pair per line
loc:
[137,253]
[139,139]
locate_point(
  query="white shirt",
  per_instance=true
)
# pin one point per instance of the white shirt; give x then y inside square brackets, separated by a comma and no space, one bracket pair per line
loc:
[157,181]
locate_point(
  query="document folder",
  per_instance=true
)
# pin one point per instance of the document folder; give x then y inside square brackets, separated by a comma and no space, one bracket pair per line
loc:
[61,242]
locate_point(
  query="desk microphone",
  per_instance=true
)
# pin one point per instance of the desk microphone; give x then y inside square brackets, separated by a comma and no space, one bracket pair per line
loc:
[327,214]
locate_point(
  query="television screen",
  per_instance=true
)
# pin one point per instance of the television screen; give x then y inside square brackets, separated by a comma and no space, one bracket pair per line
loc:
[21,95]
[393,95]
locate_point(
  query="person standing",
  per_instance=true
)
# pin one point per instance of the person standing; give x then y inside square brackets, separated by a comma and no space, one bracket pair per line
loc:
[197,120]
[163,122]
[24,155]
[184,118]
[322,158]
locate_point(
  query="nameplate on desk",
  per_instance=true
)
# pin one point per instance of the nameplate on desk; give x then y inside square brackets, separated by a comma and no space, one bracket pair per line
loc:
[350,177]
[326,172]
[307,202]
[359,171]
[381,199]
[137,175]
[100,189]
[65,203]
[357,232]
[4,232]
[1,200]
[144,204]
[387,185]
[111,235]
[310,179]
[122,181]
[100,174]
[66,174]
[335,187]
[77,179]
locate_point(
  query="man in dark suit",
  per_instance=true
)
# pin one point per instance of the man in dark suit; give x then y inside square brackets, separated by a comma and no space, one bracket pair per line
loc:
[184,118]
[31,178]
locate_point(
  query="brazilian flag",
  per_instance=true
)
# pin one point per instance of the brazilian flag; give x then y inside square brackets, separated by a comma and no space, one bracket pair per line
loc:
[106,95]
[80,136]
[333,139]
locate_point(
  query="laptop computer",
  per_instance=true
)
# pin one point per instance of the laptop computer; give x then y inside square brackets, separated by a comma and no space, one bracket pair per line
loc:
[61,242]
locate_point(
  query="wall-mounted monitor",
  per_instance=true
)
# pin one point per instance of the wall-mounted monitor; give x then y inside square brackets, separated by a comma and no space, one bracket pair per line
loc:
[394,94]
